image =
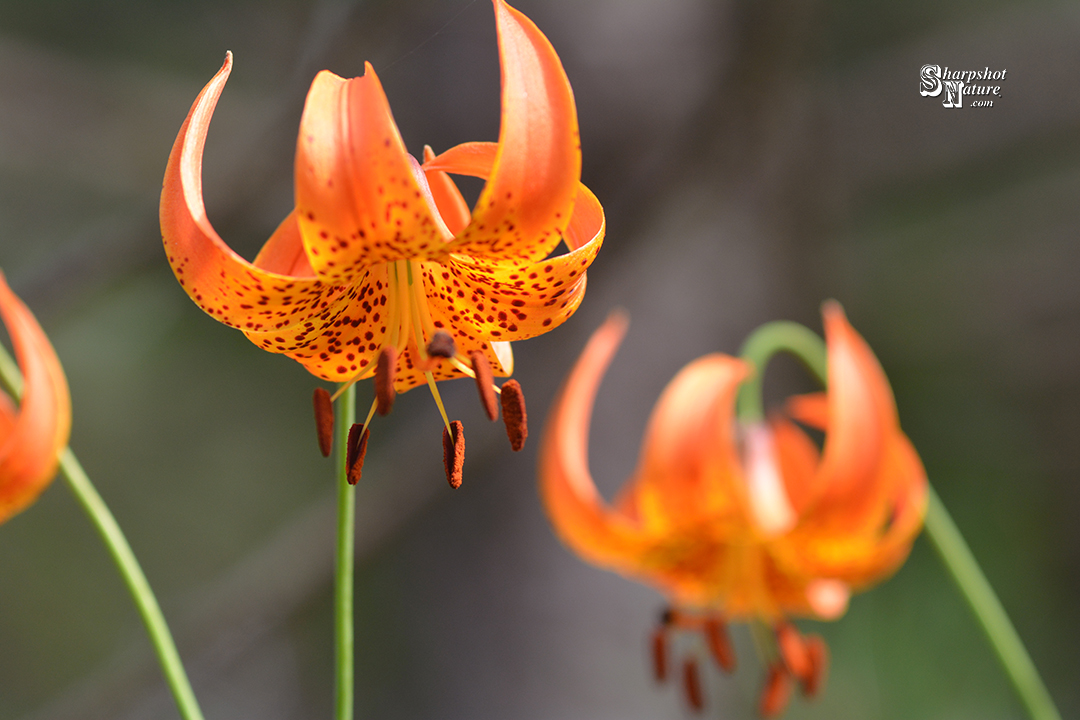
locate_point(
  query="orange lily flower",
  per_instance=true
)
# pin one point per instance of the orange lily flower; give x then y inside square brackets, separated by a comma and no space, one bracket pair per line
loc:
[33,434]
[381,258]
[749,523]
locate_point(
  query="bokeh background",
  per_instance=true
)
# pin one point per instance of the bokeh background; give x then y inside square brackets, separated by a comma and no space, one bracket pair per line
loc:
[753,159]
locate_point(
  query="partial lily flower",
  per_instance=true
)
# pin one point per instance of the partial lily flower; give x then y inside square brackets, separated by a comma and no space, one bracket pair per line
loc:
[744,522]
[34,429]
[381,271]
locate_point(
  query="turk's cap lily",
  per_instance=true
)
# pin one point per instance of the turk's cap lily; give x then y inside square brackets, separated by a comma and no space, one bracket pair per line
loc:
[382,252]
[34,429]
[750,521]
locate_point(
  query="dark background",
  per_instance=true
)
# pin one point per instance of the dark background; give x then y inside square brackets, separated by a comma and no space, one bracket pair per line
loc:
[753,160]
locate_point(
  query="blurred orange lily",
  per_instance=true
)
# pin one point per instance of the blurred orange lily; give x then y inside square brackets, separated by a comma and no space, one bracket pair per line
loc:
[745,522]
[33,434]
[381,258]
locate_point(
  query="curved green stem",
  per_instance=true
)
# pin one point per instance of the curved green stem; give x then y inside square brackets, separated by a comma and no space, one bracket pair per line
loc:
[126,563]
[345,563]
[809,348]
[984,603]
[136,582]
[763,343]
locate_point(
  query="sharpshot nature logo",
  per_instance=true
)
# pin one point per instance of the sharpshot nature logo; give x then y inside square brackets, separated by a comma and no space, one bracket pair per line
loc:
[980,86]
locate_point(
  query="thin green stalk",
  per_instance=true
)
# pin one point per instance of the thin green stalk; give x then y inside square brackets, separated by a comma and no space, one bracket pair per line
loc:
[345,564]
[984,603]
[125,560]
[805,345]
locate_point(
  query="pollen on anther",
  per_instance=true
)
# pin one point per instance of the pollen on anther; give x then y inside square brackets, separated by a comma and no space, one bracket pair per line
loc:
[454,453]
[719,644]
[384,380]
[793,650]
[485,384]
[776,693]
[658,643]
[324,420]
[818,653]
[692,685]
[514,415]
[354,460]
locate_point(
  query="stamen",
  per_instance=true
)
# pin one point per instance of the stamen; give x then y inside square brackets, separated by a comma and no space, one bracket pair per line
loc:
[793,650]
[385,369]
[659,653]
[513,411]
[692,685]
[438,399]
[441,345]
[818,652]
[716,637]
[358,437]
[776,693]
[484,384]
[324,420]
[453,442]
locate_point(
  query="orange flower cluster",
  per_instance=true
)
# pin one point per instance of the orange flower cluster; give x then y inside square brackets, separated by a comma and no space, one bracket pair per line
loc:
[381,270]
[745,522]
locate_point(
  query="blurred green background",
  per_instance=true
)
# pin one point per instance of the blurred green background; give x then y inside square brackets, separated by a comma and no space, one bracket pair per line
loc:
[753,159]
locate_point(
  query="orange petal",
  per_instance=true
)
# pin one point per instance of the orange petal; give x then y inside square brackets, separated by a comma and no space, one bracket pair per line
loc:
[862,414]
[448,200]
[357,198]
[222,283]
[284,252]
[505,302]
[798,458]
[526,204]
[689,470]
[33,436]
[581,517]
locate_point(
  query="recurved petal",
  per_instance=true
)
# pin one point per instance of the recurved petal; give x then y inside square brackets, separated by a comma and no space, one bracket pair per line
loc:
[222,283]
[34,435]
[503,302]
[527,202]
[581,517]
[689,470]
[357,200]
[448,199]
[861,415]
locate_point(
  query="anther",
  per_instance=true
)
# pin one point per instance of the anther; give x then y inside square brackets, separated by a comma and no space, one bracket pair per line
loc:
[384,379]
[793,650]
[454,453]
[513,411]
[716,637]
[692,685]
[776,693]
[484,384]
[358,437]
[818,653]
[324,420]
[658,641]
[441,345]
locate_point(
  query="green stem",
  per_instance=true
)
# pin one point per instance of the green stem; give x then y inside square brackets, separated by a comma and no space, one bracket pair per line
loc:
[346,560]
[805,345]
[125,560]
[763,343]
[984,603]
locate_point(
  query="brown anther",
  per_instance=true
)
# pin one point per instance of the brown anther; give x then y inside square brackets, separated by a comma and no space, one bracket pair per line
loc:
[485,384]
[354,461]
[441,345]
[658,641]
[385,368]
[454,453]
[776,693]
[513,411]
[818,652]
[716,637]
[692,685]
[324,420]
[793,650]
